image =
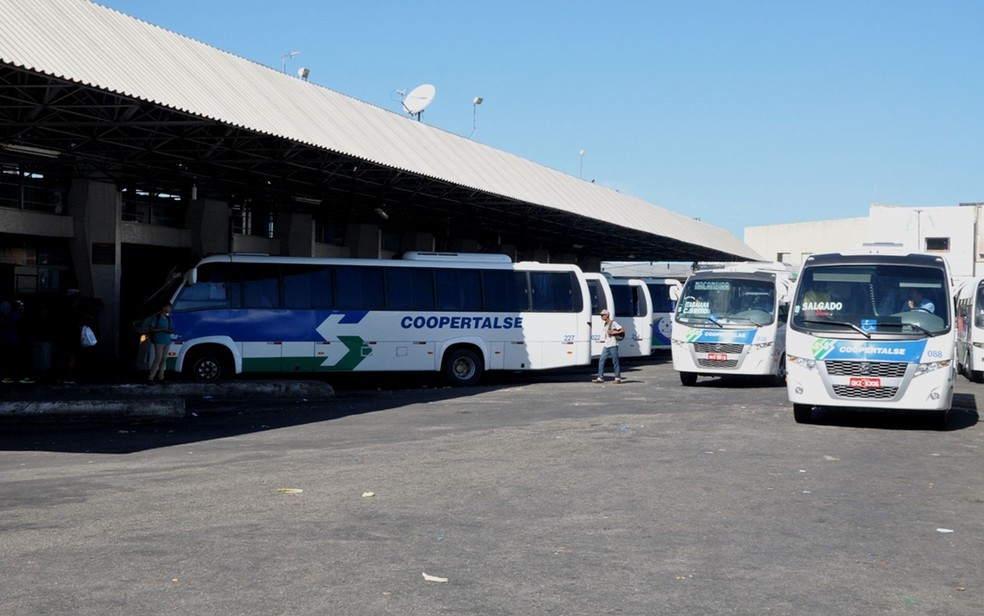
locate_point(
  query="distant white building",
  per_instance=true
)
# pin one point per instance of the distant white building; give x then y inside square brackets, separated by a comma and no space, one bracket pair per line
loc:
[953,231]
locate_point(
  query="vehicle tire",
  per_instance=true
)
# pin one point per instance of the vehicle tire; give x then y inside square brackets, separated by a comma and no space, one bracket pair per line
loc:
[943,421]
[976,376]
[463,368]
[205,366]
[779,378]
[803,413]
[688,379]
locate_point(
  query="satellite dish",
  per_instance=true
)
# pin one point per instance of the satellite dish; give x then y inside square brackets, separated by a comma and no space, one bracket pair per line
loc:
[417,99]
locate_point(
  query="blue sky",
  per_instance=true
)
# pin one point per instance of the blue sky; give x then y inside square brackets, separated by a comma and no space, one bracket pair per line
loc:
[739,113]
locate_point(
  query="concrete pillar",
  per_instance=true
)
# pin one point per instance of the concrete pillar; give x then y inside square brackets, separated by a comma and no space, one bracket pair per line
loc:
[590,264]
[97,215]
[208,221]
[423,242]
[464,245]
[363,241]
[296,233]
[509,250]
[540,255]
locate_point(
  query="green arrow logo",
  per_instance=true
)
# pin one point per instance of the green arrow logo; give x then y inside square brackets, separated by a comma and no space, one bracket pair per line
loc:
[358,350]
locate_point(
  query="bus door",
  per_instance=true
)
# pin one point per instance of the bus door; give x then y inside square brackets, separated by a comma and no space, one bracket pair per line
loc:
[634,312]
[601,299]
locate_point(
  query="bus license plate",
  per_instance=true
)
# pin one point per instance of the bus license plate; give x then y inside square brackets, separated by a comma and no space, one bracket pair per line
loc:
[717,356]
[865,382]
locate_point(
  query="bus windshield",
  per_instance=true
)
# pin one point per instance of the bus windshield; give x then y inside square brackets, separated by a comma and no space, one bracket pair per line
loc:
[866,299]
[720,301]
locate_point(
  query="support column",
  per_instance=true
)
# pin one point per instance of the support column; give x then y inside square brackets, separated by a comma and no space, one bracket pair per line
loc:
[296,234]
[363,241]
[423,242]
[97,215]
[464,245]
[208,222]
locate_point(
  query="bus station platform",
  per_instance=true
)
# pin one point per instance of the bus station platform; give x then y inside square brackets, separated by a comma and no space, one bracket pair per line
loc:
[43,399]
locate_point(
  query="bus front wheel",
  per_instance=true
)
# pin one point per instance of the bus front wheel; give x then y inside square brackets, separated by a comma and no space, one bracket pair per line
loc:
[688,379]
[205,366]
[803,413]
[462,368]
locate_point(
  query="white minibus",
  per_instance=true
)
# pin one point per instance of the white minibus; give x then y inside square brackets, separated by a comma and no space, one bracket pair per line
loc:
[731,321]
[970,329]
[629,302]
[871,330]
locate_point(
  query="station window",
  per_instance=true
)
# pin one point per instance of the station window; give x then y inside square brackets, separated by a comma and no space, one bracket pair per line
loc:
[937,244]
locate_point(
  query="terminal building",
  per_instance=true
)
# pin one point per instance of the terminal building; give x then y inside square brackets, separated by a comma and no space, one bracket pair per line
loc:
[955,232]
[128,152]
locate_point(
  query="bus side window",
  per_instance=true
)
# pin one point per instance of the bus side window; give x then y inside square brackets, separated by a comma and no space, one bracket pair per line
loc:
[505,291]
[202,295]
[261,287]
[555,292]
[409,288]
[308,288]
[458,289]
[358,288]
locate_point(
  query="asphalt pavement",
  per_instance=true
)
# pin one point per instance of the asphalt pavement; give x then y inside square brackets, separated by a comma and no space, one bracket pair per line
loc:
[535,493]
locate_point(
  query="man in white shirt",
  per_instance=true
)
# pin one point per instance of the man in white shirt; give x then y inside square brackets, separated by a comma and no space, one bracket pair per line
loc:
[609,348]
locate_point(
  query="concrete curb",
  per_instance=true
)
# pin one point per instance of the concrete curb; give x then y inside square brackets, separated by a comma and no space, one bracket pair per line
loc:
[142,400]
[171,407]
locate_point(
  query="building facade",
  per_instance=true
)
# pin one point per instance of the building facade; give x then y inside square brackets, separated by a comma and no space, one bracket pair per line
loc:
[951,231]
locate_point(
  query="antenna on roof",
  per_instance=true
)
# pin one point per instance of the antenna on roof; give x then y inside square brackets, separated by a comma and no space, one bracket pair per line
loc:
[416,100]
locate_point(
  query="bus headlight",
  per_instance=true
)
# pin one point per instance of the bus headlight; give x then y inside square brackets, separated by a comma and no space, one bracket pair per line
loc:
[931,367]
[758,346]
[803,362]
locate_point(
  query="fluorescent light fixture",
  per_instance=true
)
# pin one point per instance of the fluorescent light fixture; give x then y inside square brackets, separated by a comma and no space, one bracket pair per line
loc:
[381,213]
[30,149]
[308,200]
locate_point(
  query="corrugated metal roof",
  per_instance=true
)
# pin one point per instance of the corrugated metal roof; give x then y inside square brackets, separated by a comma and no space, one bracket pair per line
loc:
[86,43]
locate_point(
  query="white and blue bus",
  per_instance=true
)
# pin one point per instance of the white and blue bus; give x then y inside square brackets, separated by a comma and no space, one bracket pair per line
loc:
[871,330]
[663,292]
[969,322]
[461,314]
[629,302]
[732,321]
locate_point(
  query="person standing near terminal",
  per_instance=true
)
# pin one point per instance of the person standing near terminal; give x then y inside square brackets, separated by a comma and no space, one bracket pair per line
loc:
[612,334]
[160,332]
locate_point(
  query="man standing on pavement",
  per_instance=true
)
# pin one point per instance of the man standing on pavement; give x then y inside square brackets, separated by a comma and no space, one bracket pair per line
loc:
[160,335]
[612,334]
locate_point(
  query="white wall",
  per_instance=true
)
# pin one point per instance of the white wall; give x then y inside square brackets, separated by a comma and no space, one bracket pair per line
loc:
[912,226]
[802,239]
[908,226]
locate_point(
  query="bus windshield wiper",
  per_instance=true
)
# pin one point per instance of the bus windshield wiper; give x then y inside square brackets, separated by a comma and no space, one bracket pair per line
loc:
[842,324]
[750,320]
[714,321]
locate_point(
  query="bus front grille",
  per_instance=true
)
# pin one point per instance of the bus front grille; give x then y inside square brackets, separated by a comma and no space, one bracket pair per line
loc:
[727,363]
[866,393]
[718,347]
[882,369]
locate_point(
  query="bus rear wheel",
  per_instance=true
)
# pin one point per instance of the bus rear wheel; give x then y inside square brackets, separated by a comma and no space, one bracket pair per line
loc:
[462,368]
